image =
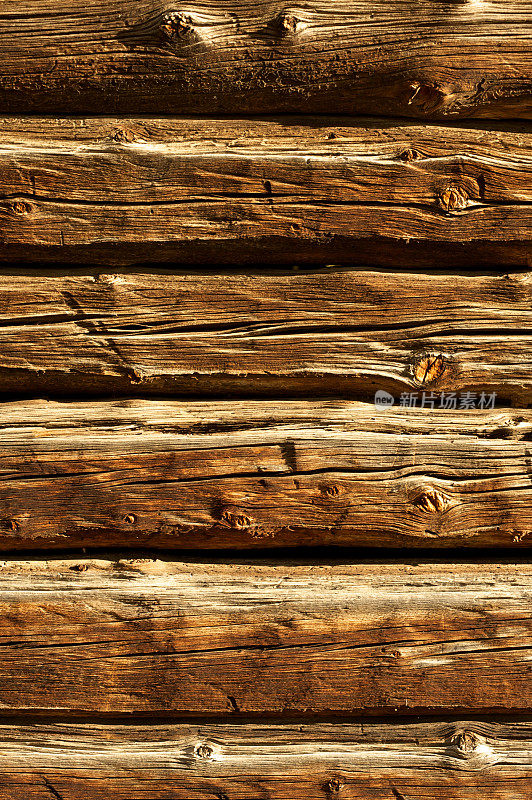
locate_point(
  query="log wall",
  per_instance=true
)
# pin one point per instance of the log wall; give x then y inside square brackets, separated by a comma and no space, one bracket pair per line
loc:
[266,400]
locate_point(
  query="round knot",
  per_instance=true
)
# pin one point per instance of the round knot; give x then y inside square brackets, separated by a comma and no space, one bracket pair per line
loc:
[130,519]
[331,491]
[334,786]
[176,25]
[410,155]
[432,501]
[466,742]
[20,207]
[124,136]
[236,519]
[453,198]
[427,97]
[429,368]
[204,751]
[286,23]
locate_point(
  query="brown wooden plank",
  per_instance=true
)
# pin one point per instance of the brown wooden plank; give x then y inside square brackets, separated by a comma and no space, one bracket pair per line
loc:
[149,636]
[420,59]
[370,761]
[262,474]
[327,332]
[314,191]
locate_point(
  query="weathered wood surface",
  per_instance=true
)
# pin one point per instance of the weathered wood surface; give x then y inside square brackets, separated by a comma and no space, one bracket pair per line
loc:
[420,59]
[150,636]
[254,475]
[419,761]
[124,191]
[326,332]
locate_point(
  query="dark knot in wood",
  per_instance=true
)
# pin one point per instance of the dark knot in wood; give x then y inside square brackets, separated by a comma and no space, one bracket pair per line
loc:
[236,519]
[331,491]
[130,519]
[432,501]
[453,198]
[429,368]
[286,24]
[427,97]
[333,786]
[20,207]
[204,751]
[410,155]
[175,26]
[124,136]
[466,742]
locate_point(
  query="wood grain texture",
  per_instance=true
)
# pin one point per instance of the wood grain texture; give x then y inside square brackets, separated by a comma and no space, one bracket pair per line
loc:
[369,761]
[419,59]
[326,332]
[307,191]
[262,474]
[151,636]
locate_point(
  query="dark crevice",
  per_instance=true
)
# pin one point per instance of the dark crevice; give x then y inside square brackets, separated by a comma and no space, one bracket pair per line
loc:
[263,329]
[406,471]
[53,791]
[318,389]
[392,716]
[259,268]
[101,325]
[312,555]
[264,197]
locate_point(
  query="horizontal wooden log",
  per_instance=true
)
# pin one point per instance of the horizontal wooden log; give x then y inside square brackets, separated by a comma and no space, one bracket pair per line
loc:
[369,761]
[254,475]
[419,59]
[328,332]
[314,191]
[150,636]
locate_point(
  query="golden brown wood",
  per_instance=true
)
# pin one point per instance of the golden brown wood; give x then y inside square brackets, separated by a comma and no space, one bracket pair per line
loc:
[369,761]
[262,474]
[308,191]
[328,332]
[151,636]
[420,59]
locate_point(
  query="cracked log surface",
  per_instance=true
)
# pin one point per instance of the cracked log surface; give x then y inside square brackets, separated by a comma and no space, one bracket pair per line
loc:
[297,190]
[212,638]
[262,474]
[458,760]
[279,333]
[418,59]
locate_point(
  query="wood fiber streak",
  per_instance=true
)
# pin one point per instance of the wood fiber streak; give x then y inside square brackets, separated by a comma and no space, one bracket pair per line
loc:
[262,474]
[421,761]
[327,332]
[151,636]
[125,191]
[432,58]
